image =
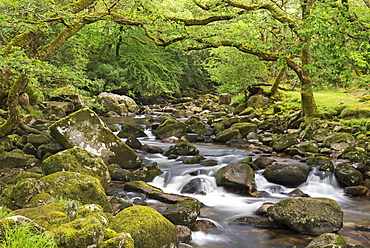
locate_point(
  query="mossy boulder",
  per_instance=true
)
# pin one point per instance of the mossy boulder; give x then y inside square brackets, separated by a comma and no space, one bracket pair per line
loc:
[245,128]
[348,175]
[327,240]
[75,186]
[170,127]
[77,160]
[227,135]
[24,190]
[184,212]
[51,215]
[308,146]
[86,130]
[38,139]
[85,232]
[122,240]
[146,173]
[120,104]
[237,176]
[290,175]
[262,162]
[129,129]
[354,154]
[224,98]
[198,127]
[258,101]
[284,141]
[338,141]
[320,134]
[92,210]
[182,148]
[146,226]
[306,215]
[16,159]
[322,162]
[356,190]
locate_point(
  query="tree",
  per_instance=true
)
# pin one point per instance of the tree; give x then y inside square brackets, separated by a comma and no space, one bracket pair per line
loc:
[34,43]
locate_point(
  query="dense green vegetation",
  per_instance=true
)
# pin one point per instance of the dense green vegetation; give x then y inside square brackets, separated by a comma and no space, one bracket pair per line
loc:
[150,49]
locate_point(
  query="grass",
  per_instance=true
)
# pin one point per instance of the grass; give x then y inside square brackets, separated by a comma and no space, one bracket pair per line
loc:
[26,236]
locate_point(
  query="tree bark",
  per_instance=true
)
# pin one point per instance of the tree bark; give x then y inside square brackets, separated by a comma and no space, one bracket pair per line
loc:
[277,80]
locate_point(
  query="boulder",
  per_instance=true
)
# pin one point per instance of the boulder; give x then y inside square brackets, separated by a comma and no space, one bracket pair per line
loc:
[24,190]
[194,186]
[16,159]
[290,175]
[184,212]
[120,104]
[338,141]
[51,215]
[354,154]
[284,141]
[327,240]
[227,135]
[92,210]
[263,162]
[257,222]
[128,129]
[258,101]
[224,98]
[86,130]
[348,175]
[193,160]
[320,134]
[85,232]
[182,148]
[77,160]
[306,215]
[122,240]
[170,127]
[236,175]
[245,128]
[356,190]
[146,173]
[308,146]
[146,226]
[183,233]
[151,149]
[323,163]
[75,186]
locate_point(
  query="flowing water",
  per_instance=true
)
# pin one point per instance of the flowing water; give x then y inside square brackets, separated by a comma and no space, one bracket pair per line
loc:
[222,207]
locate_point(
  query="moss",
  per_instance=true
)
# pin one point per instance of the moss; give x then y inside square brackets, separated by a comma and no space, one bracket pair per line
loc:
[26,189]
[147,227]
[327,240]
[40,199]
[24,175]
[123,240]
[50,215]
[84,232]
[75,186]
[182,148]
[109,233]
[92,210]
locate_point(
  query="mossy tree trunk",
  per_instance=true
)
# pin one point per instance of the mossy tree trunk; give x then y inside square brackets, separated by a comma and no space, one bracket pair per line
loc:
[278,79]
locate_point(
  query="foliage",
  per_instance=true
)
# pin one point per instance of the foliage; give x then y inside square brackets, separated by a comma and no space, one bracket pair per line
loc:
[234,70]
[26,236]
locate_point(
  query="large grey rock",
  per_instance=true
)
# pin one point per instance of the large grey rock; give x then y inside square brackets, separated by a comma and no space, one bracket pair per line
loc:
[170,127]
[290,175]
[236,175]
[348,175]
[182,148]
[284,141]
[339,141]
[183,213]
[313,216]
[120,104]
[86,130]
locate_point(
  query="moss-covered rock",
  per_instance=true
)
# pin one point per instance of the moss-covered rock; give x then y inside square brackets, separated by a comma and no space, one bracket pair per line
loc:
[355,154]
[227,135]
[26,174]
[39,200]
[313,216]
[245,128]
[198,127]
[122,240]
[147,227]
[86,130]
[236,175]
[338,141]
[75,186]
[51,215]
[24,190]
[258,101]
[77,160]
[120,104]
[284,141]
[85,232]
[348,175]
[92,210]
[170,127]
[16,159]
[184,212]
[322,162]
[327,240]
[320,134]
[129,129]
[356,190]
[285,174]
[182,148]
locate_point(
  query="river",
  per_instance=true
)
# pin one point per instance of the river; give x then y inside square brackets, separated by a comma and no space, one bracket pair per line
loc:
[222,207]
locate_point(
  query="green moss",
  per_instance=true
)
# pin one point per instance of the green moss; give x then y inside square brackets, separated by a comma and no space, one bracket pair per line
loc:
[123,240]
[109,233]
[80,233]
[142,183]
[92,210]
[50,215]
[40,199]
[147,227]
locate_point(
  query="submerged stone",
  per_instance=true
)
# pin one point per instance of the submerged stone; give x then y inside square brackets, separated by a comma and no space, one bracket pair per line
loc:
[86,130]
[327,240]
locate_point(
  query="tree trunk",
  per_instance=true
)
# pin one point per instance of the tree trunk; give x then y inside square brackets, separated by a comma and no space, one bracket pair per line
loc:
[15,115]
[277,80]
